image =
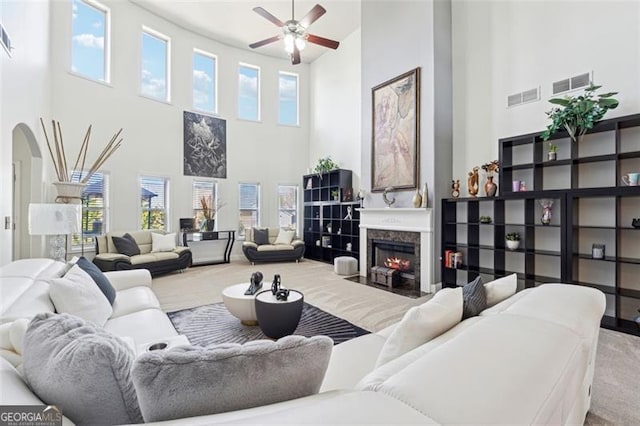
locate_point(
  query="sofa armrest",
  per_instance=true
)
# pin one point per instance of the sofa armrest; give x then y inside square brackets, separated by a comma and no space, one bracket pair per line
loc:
[250,244]
[297,243]
[122,280]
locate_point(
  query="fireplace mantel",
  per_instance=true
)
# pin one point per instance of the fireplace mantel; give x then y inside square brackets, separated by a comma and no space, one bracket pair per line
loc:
[402,219]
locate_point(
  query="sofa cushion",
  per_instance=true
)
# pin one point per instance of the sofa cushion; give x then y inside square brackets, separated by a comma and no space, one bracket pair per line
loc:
[149,325]
[423,323]
[163,242]
[474,297]
[261,236]
[285,236]
[126,245]
[192,381]
[77,294]
[500,289]
[153,257]
[133,300]
[23,298]
[99,278]
[67,359]
[274,247]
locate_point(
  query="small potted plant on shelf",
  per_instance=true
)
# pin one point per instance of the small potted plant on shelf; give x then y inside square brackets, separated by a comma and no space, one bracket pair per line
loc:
[552,154]
[335,194]
[513,240]
[325,165]
[485,219]
[578,114]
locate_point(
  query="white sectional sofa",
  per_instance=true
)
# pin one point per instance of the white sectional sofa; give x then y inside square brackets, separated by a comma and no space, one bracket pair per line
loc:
[526,360]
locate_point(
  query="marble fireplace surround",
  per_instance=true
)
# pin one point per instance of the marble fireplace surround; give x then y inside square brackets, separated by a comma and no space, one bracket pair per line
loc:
[412,220]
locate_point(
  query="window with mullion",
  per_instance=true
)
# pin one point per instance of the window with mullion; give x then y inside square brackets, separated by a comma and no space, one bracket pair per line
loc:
[249,206]
[94,210]
[206,190]
[153,202]
[288,206]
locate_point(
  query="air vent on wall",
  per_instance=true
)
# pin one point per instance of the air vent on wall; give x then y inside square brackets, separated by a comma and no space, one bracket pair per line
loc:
[572,83]
[525,97]
[5,40]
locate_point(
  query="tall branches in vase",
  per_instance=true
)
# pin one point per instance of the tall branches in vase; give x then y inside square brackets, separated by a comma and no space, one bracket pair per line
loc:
[209,209]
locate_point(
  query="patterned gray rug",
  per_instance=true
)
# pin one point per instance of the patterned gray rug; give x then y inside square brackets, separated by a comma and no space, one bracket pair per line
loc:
[213,324]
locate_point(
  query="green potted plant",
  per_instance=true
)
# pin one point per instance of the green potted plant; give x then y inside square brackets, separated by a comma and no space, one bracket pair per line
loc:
[552,153]
[325,165]
[485,219]
[335,193]
[513,240]
[578,114]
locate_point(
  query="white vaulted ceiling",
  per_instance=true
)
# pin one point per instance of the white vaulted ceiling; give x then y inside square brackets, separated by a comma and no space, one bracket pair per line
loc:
[236,24]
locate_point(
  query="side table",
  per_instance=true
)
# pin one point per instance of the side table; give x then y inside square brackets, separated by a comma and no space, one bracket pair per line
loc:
[278,318]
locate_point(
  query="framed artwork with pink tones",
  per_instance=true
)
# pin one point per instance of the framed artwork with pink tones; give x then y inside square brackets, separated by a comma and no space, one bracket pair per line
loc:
[396,133]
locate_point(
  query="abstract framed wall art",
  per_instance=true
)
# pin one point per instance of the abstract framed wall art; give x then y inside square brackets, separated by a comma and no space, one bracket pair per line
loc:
[205,146]
[396,133]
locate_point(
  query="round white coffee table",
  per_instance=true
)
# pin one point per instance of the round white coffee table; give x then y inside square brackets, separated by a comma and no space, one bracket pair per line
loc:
[241,306]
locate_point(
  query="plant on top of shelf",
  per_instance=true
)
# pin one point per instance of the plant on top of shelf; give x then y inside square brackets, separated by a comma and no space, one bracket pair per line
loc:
[578,114]
[513,236]
[325,165]
[485,219]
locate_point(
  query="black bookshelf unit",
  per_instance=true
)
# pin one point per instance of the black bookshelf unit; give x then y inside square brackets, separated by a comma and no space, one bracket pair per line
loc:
[591,206]
[328,231]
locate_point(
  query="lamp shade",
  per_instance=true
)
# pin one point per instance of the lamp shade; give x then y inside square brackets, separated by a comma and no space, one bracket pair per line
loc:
[54,219]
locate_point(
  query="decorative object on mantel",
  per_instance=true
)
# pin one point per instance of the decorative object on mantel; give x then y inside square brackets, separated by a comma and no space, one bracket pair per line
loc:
[68,191]
[325,165]
[552,154]
[417,199]
[546,205]
[513,240]
[395,141]
[455,188]
[360,197]
[578,114]
[490,168]
[209,210]
[425,196]
[472,182]
[385,198]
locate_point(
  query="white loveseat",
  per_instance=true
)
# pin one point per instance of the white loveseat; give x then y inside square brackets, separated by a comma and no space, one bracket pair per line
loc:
[528,359]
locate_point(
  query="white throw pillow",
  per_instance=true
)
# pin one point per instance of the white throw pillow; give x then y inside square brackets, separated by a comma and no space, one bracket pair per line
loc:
[77,294]
[285,236]
[161,242]
[423,323]
[500,289]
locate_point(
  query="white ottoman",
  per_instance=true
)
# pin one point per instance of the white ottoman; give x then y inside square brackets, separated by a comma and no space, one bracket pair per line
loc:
[345,265]
[240,306]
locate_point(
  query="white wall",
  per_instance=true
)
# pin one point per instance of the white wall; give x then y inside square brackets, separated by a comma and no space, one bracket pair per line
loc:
[335,128]
[262,152]
[503,47]
[24,90]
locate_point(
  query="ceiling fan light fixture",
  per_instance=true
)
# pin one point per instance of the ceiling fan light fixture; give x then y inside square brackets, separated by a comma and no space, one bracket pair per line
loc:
[300,43]
[288,43]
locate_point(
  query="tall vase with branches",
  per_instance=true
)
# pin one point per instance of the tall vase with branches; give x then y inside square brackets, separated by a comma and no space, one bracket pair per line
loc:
[209,209]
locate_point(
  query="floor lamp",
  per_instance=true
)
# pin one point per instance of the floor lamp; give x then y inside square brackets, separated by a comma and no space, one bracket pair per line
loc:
[58,220]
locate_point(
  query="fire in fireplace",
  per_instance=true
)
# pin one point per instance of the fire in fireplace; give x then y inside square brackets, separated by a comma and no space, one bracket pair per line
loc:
[394,255]
[398,263]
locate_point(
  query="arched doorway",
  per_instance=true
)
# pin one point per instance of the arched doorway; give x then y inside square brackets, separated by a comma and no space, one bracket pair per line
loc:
[27,188]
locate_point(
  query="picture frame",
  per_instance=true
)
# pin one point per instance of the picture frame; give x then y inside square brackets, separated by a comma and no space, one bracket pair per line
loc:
[395,141]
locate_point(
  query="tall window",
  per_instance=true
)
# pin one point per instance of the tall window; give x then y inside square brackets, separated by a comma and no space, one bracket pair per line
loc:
[90,40]
[153,202]
[288,98]
[204,82]
[249,92]
[95,207]
[288,206]
[249,206]
[154,78]
[202,191]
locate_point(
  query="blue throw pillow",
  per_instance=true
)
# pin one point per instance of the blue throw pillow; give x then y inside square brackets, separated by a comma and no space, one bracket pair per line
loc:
[474,298]
[99,278]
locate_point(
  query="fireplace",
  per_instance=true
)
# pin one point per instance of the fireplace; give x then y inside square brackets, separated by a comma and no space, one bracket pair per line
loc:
[409,232]
[396,254]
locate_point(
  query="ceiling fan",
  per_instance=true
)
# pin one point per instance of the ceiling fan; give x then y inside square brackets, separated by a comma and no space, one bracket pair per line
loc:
[295,32]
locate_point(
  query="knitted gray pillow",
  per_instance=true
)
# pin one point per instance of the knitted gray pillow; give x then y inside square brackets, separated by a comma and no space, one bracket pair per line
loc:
[80,368]
[193,381]
[474,298]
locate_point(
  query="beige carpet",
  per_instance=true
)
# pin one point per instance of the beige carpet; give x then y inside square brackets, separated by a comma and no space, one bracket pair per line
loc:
[616,388]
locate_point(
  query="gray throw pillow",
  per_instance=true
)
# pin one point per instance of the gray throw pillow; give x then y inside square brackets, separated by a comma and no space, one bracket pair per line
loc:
[474,298]
[126,245]
[261,236]
[194,381]
[99,278]
[80,368]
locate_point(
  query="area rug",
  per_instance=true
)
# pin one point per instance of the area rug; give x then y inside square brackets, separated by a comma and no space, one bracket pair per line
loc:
[213,324]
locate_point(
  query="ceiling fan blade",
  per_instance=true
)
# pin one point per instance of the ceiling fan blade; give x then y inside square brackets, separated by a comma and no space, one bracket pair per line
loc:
[325,42]
[313,15]
[295,56]
[265,41]
[262,12]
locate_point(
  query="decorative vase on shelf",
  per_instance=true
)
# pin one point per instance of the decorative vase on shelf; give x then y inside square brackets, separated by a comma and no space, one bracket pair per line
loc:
[546,205]
[513,244]
[490,188]
[552,156]
[417,199]
[69,192]
[425,196]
